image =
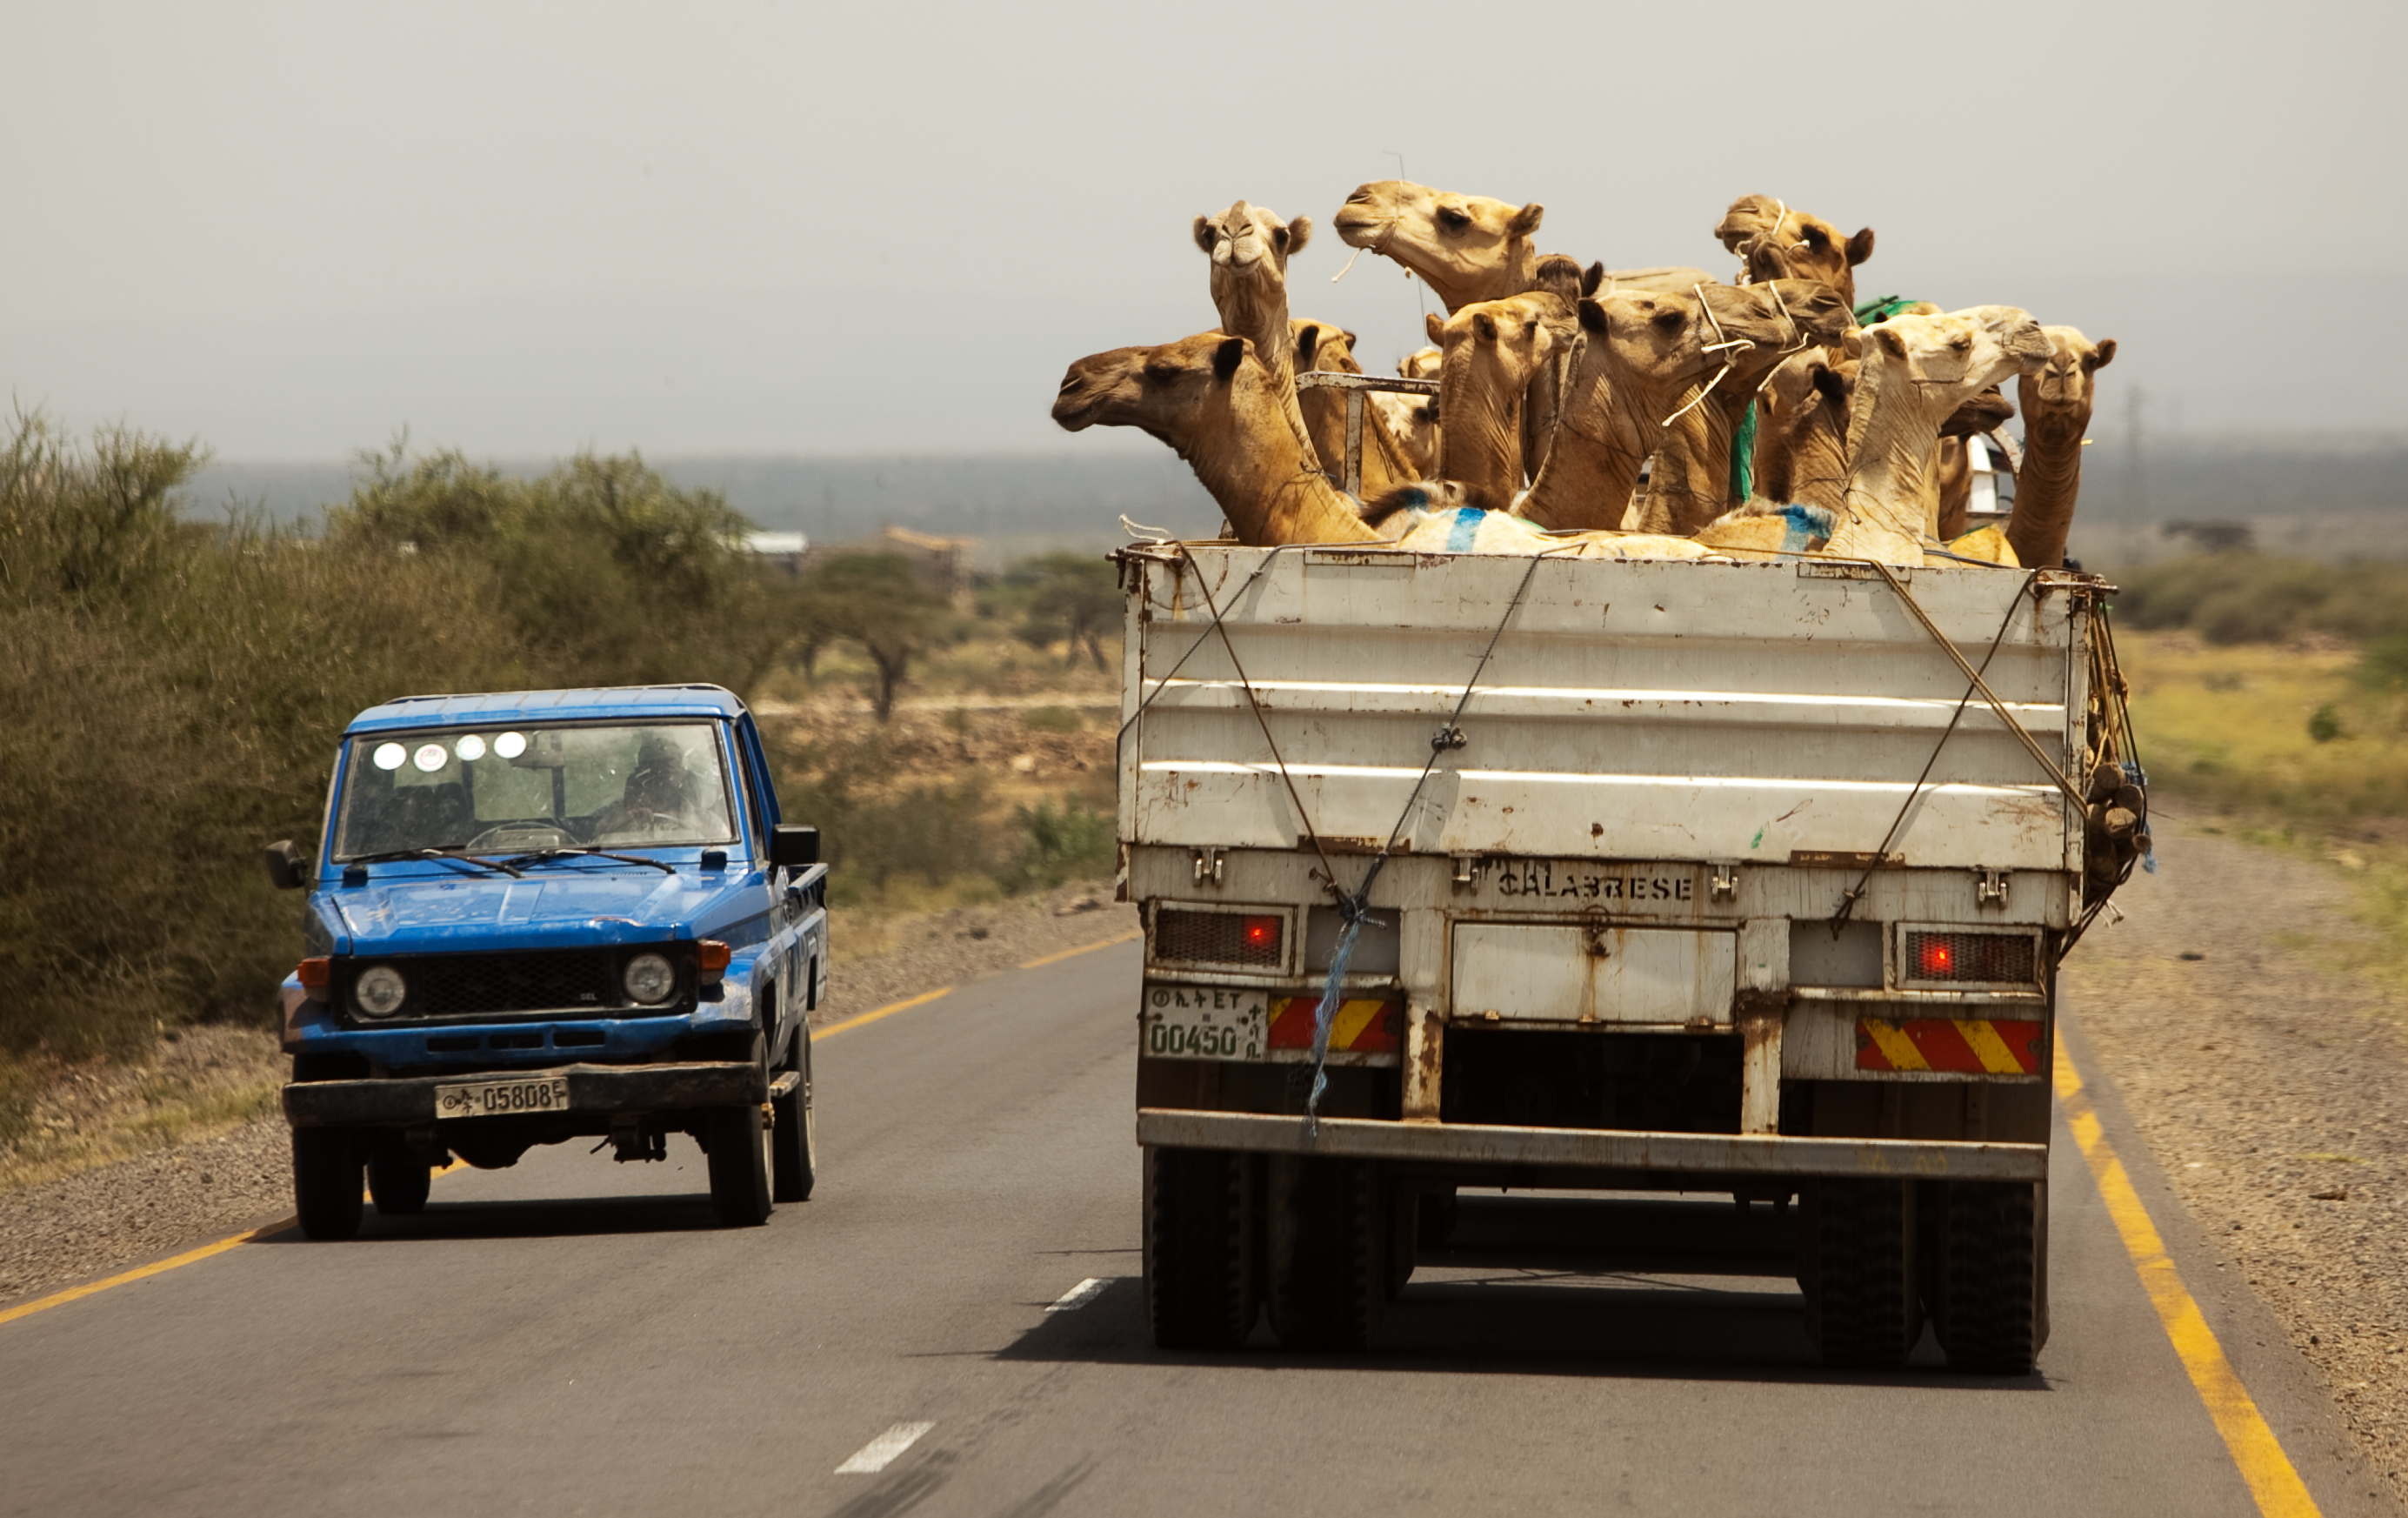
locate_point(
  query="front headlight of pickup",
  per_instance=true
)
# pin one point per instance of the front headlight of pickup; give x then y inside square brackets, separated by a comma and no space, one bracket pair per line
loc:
[380,990]
[650,979]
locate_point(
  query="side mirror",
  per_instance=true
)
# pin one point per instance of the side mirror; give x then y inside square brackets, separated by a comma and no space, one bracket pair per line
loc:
[287,869]
[793,844]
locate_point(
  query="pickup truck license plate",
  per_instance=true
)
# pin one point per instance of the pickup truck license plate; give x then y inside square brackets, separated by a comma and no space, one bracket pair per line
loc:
[502,1098]
[1206,1023]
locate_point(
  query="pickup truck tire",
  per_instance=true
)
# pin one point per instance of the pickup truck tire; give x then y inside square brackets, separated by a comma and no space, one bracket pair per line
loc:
[794,1151]
[326,1182]
[1327,1237]
[1201,1230]
[1863,1304]
[739,1165]
[397,1180]
[1990,1280]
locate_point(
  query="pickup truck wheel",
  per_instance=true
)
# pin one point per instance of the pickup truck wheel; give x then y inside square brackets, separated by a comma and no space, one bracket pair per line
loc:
[1863,1306]
[1991,1279]
[397,1181]
[794,1149]
[326,1182]
[740,1166]
[1328,1252]
[1199,1248]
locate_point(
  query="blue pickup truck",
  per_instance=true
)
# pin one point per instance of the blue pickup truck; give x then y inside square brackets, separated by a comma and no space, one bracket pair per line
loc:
[551,914]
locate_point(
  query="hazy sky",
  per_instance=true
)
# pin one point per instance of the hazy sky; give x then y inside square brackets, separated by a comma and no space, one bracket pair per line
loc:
[293,229]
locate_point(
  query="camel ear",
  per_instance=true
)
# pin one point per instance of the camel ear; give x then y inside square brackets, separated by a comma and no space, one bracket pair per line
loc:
[1484,326]
[1890,341]
[1860,247]
[1353,342]
[1204,233]
[2104,356]
[1592,316]
[1227,358]
[1308,342]
[1592,277]
[1525,221]
[1300,232]
[1436,326]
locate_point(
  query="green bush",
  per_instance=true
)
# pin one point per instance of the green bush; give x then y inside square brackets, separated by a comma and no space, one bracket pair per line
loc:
[1053,719]
[2244,598]
[1060,844]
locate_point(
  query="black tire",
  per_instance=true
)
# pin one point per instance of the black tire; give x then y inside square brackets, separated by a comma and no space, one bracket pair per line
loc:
[1990,1280]
[397,1182]
[326,1182]
[794,1149]
[1434,1215]
[1199,1248]
[1403,1215]
[1327,1251]
[739,1165]
[1863,1307]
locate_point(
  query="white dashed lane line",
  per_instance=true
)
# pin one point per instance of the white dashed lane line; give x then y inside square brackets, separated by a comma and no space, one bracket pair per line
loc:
[880,1453]
[1079,1296]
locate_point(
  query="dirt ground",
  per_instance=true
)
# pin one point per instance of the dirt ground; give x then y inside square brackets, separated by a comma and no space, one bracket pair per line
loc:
[206,1180]
[2268,1073]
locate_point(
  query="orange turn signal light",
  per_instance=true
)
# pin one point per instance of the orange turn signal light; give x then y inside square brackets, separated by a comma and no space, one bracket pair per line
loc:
[316,974]
[709,954]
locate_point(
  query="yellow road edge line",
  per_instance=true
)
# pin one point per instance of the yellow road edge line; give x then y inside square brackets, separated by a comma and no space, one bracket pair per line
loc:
[2273,1482]
[73,1293]
[887,1011]
[1084,948]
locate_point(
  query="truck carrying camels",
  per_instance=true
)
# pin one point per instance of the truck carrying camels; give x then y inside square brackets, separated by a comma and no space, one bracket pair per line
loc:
[1596,772]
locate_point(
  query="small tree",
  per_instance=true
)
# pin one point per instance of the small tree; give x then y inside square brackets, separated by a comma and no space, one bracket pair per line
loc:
[876,601]
[1074,598]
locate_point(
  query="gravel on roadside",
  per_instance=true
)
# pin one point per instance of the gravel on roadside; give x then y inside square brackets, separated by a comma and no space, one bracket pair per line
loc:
[2272,1084]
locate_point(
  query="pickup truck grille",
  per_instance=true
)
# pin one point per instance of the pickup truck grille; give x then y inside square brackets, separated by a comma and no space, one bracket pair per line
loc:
[474,985]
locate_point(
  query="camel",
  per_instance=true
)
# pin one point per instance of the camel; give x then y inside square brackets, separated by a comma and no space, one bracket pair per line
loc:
[2056,401]
[1776,241]
[1386,462]
[1412,420]
[1249,248]
[1214,403]
[1952,465]
[1640,353]
[1914,373]
[1469,248]
[1491,350]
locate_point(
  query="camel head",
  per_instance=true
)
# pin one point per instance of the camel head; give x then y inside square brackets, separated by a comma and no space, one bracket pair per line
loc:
[1490,349]
[1320,345]
[1245,235]
[1673,339]
[1957,356]
[2064,385]
[1984,412]
[1421,364]
[1466,248]
[1174,391]
[1775,240]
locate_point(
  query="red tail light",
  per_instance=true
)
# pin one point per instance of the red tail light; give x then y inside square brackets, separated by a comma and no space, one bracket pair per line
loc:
[1935,958]
[1263,937]
[1963,957]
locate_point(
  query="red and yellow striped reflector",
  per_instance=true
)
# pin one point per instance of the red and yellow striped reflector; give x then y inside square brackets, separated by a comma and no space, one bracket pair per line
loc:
[1969,1045]
[1364,1027]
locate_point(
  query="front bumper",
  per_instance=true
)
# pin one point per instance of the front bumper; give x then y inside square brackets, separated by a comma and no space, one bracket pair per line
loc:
[409,1102]
[1439,1144]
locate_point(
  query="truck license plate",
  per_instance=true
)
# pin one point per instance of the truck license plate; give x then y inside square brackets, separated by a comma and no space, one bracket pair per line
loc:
[1206,1023]
[502,1098]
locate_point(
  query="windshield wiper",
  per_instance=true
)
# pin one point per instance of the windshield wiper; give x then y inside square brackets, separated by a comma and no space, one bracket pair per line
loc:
[542,854]
[389,856]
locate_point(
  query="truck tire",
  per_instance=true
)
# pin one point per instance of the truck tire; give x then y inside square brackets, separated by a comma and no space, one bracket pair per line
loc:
[1862,1303]
[1199,1248]
[1328,1252]
[397,1181]
[739,1165]
[326,1183]
[1990,1281]
[794,1151]
[1434,1216]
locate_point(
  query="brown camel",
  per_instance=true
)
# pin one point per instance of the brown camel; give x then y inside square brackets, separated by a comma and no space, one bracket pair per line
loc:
[1491,349]
[1777,241]
[1914,373]
[1412,420]
[1952,465]
[1386,463]
[1464,248]
[2056,402]
[1639,352]
[1249,248]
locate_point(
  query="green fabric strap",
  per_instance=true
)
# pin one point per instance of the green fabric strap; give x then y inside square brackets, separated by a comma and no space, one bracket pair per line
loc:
[1883,309]
[1743,459]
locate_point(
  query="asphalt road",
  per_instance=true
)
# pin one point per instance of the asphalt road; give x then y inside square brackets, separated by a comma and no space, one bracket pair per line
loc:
[574,1336]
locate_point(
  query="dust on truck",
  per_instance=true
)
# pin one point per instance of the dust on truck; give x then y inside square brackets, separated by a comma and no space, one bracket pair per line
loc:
[1708,877]
[544,916]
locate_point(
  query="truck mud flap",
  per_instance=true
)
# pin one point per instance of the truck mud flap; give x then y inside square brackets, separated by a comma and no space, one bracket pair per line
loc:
[1720,1154]
[592,1088]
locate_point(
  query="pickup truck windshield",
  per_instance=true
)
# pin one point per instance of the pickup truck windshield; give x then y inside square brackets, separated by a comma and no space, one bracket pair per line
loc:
[527,788]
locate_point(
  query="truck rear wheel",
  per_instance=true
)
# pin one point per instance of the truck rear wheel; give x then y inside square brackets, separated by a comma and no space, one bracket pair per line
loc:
[739,1165]
[1199,1248]
[326,1182]
[1328,1252]
[1989,1306]
[397,1180]
[794,1151]
[1862,1305]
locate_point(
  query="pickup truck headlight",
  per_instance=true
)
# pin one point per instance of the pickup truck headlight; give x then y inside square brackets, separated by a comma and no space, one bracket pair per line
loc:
[650,979]
[380,990]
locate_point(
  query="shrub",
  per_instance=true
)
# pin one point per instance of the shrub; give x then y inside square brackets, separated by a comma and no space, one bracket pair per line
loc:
[1060,844]
[1053,719]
